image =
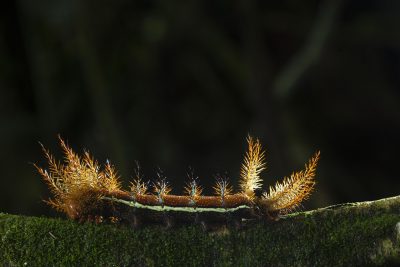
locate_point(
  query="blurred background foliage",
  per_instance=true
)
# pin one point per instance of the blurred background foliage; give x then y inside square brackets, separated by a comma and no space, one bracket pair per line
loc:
[181,83]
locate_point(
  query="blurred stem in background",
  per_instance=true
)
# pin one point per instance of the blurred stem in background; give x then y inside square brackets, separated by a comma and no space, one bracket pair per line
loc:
[99,91]
[274,119]
[287,80]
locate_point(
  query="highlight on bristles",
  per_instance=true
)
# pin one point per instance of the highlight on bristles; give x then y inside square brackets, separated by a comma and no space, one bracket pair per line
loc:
[253,164]
[138,186]
[161,187]
[289,194]
[112,182]
[222,187]
[78,183]
[192,188]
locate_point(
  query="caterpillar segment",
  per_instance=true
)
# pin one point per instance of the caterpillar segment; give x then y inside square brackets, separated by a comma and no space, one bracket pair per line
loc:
[86,192]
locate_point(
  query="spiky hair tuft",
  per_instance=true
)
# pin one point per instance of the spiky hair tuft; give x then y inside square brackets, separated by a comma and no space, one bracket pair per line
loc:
[161,187]
[289,194]
[78,180]
[138,186]
[253,164]
[222,187]
[193,189]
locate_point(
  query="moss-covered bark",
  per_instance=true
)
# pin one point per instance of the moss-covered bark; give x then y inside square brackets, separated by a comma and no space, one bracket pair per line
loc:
[355,234]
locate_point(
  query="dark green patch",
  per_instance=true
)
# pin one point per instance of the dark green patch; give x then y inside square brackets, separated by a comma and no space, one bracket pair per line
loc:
[361,234]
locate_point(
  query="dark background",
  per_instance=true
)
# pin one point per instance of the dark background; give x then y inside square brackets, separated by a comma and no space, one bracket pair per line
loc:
[181,83]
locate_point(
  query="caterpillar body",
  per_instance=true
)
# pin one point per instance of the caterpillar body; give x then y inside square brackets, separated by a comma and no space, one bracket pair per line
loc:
[85,192]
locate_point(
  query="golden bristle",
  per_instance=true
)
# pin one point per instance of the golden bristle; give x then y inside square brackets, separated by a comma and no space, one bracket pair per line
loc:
[111,182]
[289,194]
[253,165]
[71,159]
[76,180]
[138,187]
[161,188]
[222,187]
[193,189]
[53,179]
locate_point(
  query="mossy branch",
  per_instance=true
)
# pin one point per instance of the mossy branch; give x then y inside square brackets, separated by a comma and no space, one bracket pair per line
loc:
[354,234]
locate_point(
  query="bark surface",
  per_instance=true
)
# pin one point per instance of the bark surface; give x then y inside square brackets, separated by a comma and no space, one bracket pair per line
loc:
[352,234]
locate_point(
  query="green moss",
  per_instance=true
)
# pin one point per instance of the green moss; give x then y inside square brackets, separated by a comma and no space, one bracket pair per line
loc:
[358,234]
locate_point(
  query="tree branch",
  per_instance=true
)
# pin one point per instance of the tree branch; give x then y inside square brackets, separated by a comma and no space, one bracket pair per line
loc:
[354,234]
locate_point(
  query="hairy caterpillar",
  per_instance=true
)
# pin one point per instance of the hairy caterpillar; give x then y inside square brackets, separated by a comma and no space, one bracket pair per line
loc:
[85,192]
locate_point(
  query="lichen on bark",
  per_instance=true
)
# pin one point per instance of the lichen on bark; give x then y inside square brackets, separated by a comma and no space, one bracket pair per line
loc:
[353,234]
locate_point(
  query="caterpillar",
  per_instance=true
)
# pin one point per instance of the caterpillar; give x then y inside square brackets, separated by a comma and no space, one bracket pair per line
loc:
[85,191]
